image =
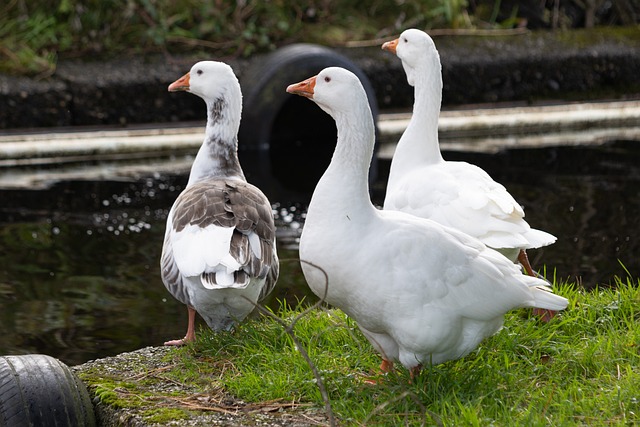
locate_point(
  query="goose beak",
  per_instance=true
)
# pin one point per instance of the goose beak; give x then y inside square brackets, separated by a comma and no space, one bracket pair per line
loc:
[304,88]
[390,46]
[181,84]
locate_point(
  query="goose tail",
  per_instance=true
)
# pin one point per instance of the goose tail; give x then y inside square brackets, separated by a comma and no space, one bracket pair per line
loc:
[543,296]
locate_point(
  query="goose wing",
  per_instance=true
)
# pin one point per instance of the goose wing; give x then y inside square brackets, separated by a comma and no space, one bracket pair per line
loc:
[223,232]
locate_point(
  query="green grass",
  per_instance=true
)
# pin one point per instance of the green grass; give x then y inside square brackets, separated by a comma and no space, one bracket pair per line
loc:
[582,368]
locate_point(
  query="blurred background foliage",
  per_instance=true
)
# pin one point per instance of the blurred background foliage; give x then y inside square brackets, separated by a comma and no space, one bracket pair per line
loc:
[34,34]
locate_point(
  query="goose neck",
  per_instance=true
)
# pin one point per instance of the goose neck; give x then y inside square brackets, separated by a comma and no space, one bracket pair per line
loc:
[218,154]
[419,143]
[344,187]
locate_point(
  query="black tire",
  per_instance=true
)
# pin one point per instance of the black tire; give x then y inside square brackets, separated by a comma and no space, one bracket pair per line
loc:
[38,390]
[285,140]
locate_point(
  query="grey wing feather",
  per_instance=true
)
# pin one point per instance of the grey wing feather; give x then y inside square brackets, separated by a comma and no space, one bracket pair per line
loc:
[170,274]
[227,203]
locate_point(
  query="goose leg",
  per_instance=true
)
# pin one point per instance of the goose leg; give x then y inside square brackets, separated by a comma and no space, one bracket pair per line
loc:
[545,315]
[385,367]
[414,372]
[191,330]
[524,260]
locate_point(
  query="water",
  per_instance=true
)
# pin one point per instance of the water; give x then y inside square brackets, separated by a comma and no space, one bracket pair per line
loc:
[587,196]
[80,277]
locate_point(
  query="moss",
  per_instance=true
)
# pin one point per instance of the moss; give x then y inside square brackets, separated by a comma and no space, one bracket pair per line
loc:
[132,383]
[164,415]
[107,396]
[583,38]
[118,394]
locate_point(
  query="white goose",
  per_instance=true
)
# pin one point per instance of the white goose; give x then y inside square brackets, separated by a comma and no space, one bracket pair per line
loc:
[219,255]
[457,194]
[420,292]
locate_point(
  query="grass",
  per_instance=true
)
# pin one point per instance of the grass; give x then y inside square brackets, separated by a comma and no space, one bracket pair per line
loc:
[582,368]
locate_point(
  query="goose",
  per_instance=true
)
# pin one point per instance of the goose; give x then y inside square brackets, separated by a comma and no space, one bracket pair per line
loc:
[219,254]
[457,194]
[419,291]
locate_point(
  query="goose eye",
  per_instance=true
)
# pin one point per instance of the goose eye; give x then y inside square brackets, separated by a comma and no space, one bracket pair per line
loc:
[199,72]
[327,79]
[405,40]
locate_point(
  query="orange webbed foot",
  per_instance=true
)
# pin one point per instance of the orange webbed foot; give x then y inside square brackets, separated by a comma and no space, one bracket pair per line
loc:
[385,367]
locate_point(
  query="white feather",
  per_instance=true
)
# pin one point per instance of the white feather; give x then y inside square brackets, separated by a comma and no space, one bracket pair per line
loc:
[254,244]
[455,194]
[197,249]
[420,292]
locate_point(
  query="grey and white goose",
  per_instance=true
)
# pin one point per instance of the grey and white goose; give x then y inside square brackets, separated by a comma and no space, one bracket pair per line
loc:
[219,255]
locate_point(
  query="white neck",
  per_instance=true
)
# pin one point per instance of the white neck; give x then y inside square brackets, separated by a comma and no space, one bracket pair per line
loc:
[218,155]
[344,187]
[419,142]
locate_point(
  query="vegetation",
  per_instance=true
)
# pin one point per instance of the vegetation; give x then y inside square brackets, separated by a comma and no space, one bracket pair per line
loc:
[33,34]
[581,368]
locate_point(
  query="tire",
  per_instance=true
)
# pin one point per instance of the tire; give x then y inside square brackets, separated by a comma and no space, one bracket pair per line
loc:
[38,390]
[287,141]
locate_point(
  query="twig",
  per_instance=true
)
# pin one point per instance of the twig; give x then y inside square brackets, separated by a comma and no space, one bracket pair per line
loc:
[199,407]
[311,420]
[548,402]
[163,378]
[407,393]
[444,32]
[153,372]
[201,43]
[273,405]
[289,329]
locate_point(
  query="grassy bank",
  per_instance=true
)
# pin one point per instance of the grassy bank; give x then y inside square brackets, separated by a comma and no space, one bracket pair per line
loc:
[581,368]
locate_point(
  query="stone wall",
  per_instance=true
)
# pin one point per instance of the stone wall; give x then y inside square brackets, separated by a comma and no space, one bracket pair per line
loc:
[535,66]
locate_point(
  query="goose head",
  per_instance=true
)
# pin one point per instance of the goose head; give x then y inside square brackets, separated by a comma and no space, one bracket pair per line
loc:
[218,86]
[210,80]
[417,52]
[334,89]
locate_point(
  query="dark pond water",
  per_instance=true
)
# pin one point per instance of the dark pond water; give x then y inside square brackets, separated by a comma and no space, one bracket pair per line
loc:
[79,275]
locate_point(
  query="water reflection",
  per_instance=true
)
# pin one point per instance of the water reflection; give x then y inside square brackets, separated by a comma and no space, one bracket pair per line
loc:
[588,196]
[80,276]
[78,288]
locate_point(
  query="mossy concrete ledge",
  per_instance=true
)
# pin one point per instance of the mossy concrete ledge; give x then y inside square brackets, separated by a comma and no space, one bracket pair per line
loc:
[546,65]
[141,388]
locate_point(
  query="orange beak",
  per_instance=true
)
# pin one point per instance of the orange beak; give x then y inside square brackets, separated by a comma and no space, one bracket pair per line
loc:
[304,88]
[181,84]
[391,45]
